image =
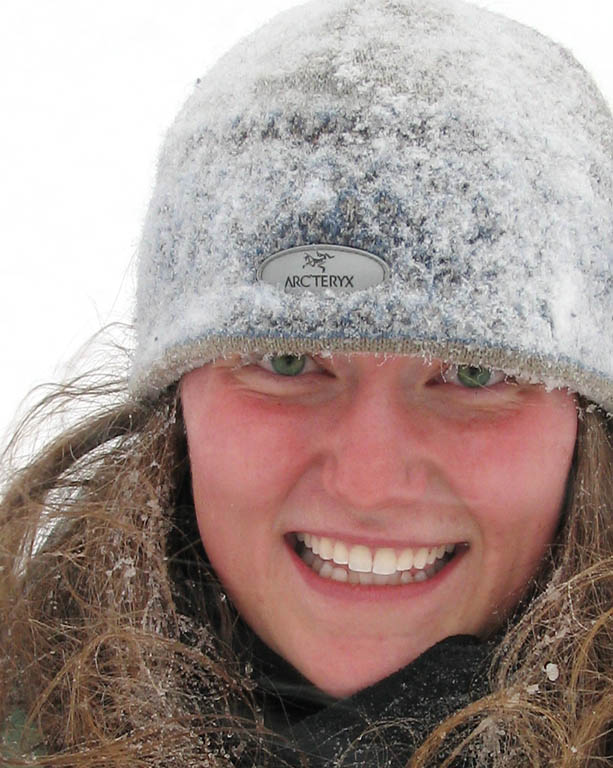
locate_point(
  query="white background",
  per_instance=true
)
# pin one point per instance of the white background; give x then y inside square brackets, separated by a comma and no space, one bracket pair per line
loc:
[87,90]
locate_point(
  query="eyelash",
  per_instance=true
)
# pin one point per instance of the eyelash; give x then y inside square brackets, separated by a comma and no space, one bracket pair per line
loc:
[310,366]
[462,376]
[452,375]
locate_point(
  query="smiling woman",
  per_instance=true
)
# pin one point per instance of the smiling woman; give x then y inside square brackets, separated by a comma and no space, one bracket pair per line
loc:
[354,506]
[389,476]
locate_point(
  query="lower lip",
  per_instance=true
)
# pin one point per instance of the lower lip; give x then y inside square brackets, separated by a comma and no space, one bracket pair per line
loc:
[372,592]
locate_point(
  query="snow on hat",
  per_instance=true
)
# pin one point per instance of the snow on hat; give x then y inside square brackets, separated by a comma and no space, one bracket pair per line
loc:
[437,179]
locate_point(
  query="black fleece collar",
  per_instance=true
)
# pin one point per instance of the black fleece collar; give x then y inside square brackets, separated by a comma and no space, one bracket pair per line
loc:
[382,724]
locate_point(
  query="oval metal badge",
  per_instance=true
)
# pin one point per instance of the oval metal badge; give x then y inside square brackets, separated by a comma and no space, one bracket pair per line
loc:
[323,268]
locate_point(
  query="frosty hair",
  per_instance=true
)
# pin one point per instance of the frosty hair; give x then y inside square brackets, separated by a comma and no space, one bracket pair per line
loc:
[120,645]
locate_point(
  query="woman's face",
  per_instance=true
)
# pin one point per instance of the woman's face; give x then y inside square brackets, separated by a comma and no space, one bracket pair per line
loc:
[431,495]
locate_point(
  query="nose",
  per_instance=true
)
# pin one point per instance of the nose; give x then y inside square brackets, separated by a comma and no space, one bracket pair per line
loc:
[375,452]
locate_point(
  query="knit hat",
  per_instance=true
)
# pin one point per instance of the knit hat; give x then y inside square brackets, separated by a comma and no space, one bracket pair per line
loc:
[402,176]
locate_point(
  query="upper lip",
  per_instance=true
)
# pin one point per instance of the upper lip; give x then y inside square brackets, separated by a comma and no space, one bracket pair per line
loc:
[392,543]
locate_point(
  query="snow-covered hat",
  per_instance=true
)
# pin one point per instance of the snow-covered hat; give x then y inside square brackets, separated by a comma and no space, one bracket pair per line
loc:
[441,178]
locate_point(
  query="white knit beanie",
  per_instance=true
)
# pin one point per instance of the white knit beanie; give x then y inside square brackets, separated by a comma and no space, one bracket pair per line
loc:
[442,178]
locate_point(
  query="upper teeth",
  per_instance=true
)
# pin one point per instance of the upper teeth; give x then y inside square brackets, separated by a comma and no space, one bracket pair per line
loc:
[382,560]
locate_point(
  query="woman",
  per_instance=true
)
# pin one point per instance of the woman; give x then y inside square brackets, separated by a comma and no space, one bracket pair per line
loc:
[357,507]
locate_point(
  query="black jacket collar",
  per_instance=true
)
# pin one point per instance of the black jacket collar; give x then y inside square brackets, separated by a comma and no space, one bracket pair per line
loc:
[380,725]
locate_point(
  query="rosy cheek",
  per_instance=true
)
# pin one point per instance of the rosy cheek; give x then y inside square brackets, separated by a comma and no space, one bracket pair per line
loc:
[257,446]
[514,467]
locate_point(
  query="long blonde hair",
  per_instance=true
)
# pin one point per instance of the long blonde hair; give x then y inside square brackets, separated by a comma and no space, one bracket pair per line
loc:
[119,644]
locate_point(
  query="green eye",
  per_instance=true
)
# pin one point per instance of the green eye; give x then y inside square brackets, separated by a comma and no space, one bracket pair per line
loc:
[288,365]
[473,375]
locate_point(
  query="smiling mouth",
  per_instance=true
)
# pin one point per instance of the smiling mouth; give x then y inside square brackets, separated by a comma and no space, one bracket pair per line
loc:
[358,564]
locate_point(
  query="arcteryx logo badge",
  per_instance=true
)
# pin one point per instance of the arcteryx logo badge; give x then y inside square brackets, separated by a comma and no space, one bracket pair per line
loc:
[317,260]
[323,268]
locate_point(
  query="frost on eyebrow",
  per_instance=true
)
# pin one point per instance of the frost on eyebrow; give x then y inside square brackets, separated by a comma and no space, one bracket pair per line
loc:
[251,358]
[236,361]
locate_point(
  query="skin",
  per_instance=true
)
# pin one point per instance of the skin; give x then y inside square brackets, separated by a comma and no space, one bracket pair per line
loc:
[386,452]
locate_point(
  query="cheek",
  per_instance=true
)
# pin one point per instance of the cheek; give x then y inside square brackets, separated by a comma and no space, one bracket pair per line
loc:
[246,456]
[519,491]
[512,477]
[247,448]
[519,462]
